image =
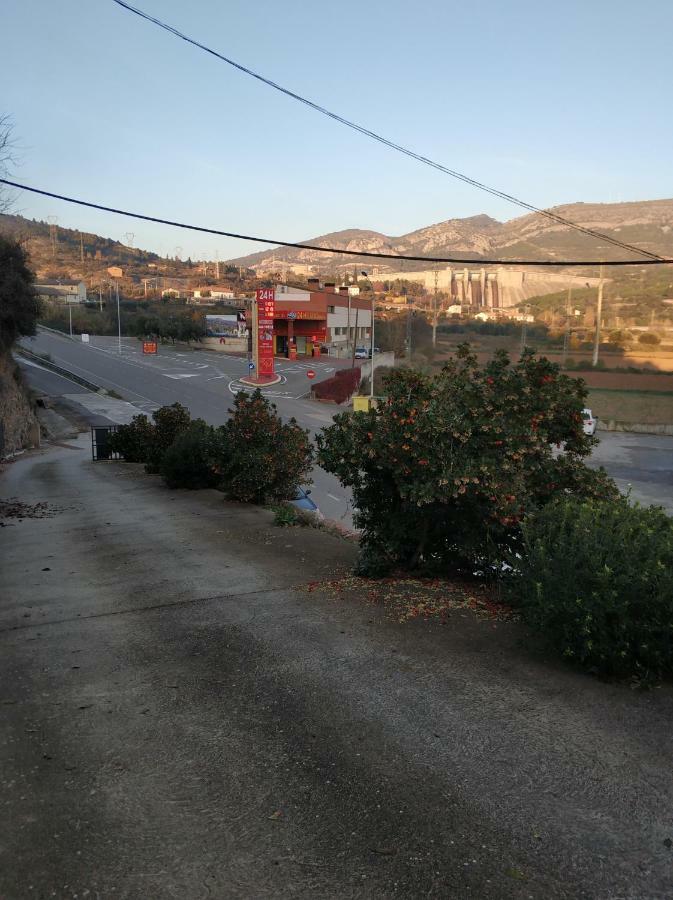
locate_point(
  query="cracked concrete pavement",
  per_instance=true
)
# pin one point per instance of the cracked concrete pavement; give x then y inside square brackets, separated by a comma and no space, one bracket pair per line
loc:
[181,719]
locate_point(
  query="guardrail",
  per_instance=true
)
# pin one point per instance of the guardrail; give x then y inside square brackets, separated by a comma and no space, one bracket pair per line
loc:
[58,370]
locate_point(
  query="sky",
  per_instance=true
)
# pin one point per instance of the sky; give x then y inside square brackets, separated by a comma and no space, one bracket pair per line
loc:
[554,103]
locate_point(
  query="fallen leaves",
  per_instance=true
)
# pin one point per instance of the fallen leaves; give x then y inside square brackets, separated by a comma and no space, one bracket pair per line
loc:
[405,598]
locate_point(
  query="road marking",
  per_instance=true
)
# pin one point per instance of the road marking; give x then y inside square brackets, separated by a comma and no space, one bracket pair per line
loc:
[338,499]
[180,375]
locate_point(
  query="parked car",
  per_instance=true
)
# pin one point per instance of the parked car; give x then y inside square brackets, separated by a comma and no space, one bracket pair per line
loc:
[361,353]
[589,422]
[369,351]
[302,501]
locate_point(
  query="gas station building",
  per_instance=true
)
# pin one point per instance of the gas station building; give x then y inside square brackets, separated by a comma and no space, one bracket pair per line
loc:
[322,316]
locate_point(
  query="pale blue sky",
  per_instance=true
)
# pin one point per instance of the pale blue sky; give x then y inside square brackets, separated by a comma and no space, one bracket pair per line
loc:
[554,102]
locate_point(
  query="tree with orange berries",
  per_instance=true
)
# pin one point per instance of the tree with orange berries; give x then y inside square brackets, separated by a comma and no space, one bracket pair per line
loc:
[445,469]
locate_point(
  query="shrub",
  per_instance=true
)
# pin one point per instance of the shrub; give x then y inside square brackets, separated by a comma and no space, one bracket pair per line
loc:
[190,461]
[132,441]
[142,441]
[340,387]
[19,305]
[284,515]
[169,422]
[596,580]
[648,338]
[445,469]
[265,459]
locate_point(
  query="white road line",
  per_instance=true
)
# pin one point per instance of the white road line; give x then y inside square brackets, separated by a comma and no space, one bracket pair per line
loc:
[338,499]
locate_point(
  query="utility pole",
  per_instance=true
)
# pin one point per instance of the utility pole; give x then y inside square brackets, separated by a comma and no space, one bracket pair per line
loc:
[434,312]
[599,313]
[217,264]
[119,319]
[371,371]
[70,318]
[348,329]
[566,336]
[357,311]
[81,248]
[524,329]
[409,329]
[52,233]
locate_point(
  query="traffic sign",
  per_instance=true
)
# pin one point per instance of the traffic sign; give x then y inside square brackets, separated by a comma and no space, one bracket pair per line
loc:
[310,374]
[251,366]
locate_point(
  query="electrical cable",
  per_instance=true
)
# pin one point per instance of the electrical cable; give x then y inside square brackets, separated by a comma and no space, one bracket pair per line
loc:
[337,250]
[555,217]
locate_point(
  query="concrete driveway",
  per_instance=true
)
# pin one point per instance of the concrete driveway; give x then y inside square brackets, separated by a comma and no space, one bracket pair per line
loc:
[181,719]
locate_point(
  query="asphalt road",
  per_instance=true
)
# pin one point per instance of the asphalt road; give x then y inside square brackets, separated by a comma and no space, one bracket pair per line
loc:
[204,382]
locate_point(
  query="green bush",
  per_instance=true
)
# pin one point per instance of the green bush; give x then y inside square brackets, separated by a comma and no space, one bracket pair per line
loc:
[649,339]
[595,579]
[266,460]
[445,469]
[132,441]
[190,461]
[142,441]
[169,422]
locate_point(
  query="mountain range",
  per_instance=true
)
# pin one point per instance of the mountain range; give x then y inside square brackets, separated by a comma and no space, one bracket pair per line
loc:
[647,224]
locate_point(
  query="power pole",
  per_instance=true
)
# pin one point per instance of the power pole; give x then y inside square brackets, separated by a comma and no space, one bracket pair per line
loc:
[52,234]
[119,319]
[566,336]
[599,313]
[217,264]
[81,248]
[434,313]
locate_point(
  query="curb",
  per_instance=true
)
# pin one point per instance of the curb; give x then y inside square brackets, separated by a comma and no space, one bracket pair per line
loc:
[613,425]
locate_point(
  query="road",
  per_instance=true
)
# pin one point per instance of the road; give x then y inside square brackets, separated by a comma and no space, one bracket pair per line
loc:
[204,382]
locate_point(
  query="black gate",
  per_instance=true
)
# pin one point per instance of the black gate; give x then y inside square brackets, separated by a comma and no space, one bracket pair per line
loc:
[100,442]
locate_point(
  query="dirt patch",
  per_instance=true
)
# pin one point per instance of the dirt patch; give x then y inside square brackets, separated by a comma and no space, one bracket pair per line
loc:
[12,508]
[402,598]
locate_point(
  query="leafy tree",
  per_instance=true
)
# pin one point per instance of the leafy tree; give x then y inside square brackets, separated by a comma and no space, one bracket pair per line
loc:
[649,339]
[19,305]
[619,338]
[265,459]
[444,471]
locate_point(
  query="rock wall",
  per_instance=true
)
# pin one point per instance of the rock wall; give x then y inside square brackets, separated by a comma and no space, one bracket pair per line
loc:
[18,423]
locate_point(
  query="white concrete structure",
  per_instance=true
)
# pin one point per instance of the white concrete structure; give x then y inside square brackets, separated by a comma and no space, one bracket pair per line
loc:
[65,290]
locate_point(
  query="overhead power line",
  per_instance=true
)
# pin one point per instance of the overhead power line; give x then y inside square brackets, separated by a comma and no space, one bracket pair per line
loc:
[548,214]
[337,250]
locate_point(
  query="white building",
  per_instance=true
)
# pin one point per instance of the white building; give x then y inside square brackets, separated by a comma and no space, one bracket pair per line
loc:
[64,290]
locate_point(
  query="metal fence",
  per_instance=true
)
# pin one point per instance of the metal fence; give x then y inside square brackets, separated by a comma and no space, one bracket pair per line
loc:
[100,442]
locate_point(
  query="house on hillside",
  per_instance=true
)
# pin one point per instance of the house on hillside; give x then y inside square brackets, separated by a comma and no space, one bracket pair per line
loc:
[214,293]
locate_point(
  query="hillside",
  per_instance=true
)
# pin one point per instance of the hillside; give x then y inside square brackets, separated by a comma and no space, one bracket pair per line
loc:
[647,224]
[67,253]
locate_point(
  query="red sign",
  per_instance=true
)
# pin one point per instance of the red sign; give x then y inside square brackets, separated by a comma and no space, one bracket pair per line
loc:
[310,374]
[149,347]
[266,307]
